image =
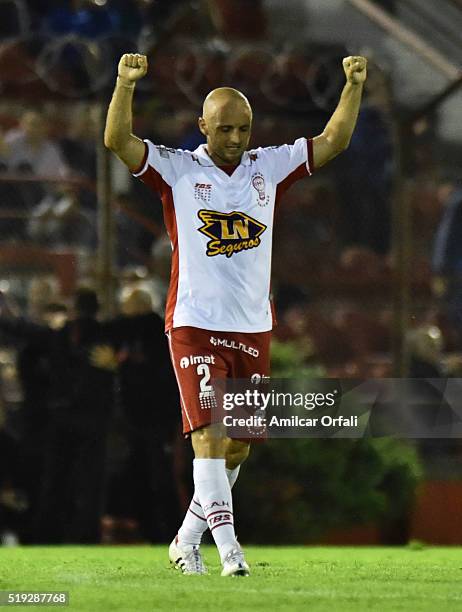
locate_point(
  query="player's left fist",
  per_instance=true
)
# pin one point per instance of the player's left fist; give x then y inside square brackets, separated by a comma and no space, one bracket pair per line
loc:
[355,68]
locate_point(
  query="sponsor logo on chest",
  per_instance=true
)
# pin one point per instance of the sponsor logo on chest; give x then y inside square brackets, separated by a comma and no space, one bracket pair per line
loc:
[230,233]
[203,191]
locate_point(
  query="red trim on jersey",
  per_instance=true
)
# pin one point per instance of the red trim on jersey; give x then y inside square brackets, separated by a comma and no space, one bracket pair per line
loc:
[309,144]
[145,157]
[154,180]
[170,224]
[299,172]
[290,179]
[274,319]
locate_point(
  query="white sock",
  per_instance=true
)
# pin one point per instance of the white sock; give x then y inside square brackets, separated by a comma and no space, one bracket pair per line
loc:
[214,493]
[232,475]
[194,523]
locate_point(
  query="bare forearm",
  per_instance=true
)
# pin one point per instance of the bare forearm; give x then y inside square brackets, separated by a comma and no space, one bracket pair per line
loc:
[337,134]
[118,133]
[341,125]
[119,117]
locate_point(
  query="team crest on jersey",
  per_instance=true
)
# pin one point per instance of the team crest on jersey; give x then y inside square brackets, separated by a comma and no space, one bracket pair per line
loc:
[230,232]
[258,183]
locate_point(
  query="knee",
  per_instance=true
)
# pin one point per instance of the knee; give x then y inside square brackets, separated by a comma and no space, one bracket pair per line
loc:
[210,442]
[236,454]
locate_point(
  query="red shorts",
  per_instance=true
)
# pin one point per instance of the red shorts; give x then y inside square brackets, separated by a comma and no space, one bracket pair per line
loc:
[199,355]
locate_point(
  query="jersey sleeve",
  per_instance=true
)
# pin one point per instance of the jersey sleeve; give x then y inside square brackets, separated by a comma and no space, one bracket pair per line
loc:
[161,165]
[291,162]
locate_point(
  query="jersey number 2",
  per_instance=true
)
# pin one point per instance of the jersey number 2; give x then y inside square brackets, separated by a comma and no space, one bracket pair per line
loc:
[204,371]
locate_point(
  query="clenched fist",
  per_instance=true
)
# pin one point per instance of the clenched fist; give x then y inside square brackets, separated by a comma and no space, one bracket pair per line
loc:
[132,66]
[355,68]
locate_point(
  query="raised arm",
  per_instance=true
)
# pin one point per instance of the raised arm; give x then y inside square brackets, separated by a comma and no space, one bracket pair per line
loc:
[339,129]
[118,135]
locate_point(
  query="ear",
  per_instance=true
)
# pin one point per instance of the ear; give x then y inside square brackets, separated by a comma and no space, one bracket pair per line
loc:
[203,126]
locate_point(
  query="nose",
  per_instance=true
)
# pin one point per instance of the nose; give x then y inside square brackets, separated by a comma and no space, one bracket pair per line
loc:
[235,137]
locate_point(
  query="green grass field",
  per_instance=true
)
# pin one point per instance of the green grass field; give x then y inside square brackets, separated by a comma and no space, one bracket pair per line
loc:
[291,578]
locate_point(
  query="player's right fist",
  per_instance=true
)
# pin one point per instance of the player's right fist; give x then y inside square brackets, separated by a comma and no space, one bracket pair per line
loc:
[132,66]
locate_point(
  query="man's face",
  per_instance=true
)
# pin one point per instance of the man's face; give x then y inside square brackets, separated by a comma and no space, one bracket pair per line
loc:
[227,128]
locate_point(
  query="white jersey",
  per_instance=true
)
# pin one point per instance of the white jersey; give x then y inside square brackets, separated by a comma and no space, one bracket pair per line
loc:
[221,228]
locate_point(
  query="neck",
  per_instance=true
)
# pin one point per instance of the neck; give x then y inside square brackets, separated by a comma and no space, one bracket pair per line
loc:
[220,161]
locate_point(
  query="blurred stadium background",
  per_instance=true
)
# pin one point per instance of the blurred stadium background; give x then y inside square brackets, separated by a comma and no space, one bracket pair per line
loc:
[367,262]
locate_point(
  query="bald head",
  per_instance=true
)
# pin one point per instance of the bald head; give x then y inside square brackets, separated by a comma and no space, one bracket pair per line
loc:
[226,122]
[224,97]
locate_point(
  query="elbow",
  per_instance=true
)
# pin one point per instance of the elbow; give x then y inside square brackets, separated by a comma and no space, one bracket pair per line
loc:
[112,140]
[109,141]
[337,144]
[343,145]
[338,148]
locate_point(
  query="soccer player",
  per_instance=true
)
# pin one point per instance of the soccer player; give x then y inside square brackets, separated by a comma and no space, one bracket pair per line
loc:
[218,204]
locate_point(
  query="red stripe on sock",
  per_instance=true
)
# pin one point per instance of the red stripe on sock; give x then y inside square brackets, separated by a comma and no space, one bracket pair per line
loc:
[199,517]
[219,512]
[220,525]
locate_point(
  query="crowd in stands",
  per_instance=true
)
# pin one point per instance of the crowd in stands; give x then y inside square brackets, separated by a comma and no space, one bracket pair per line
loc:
[85,17]
[97,422]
